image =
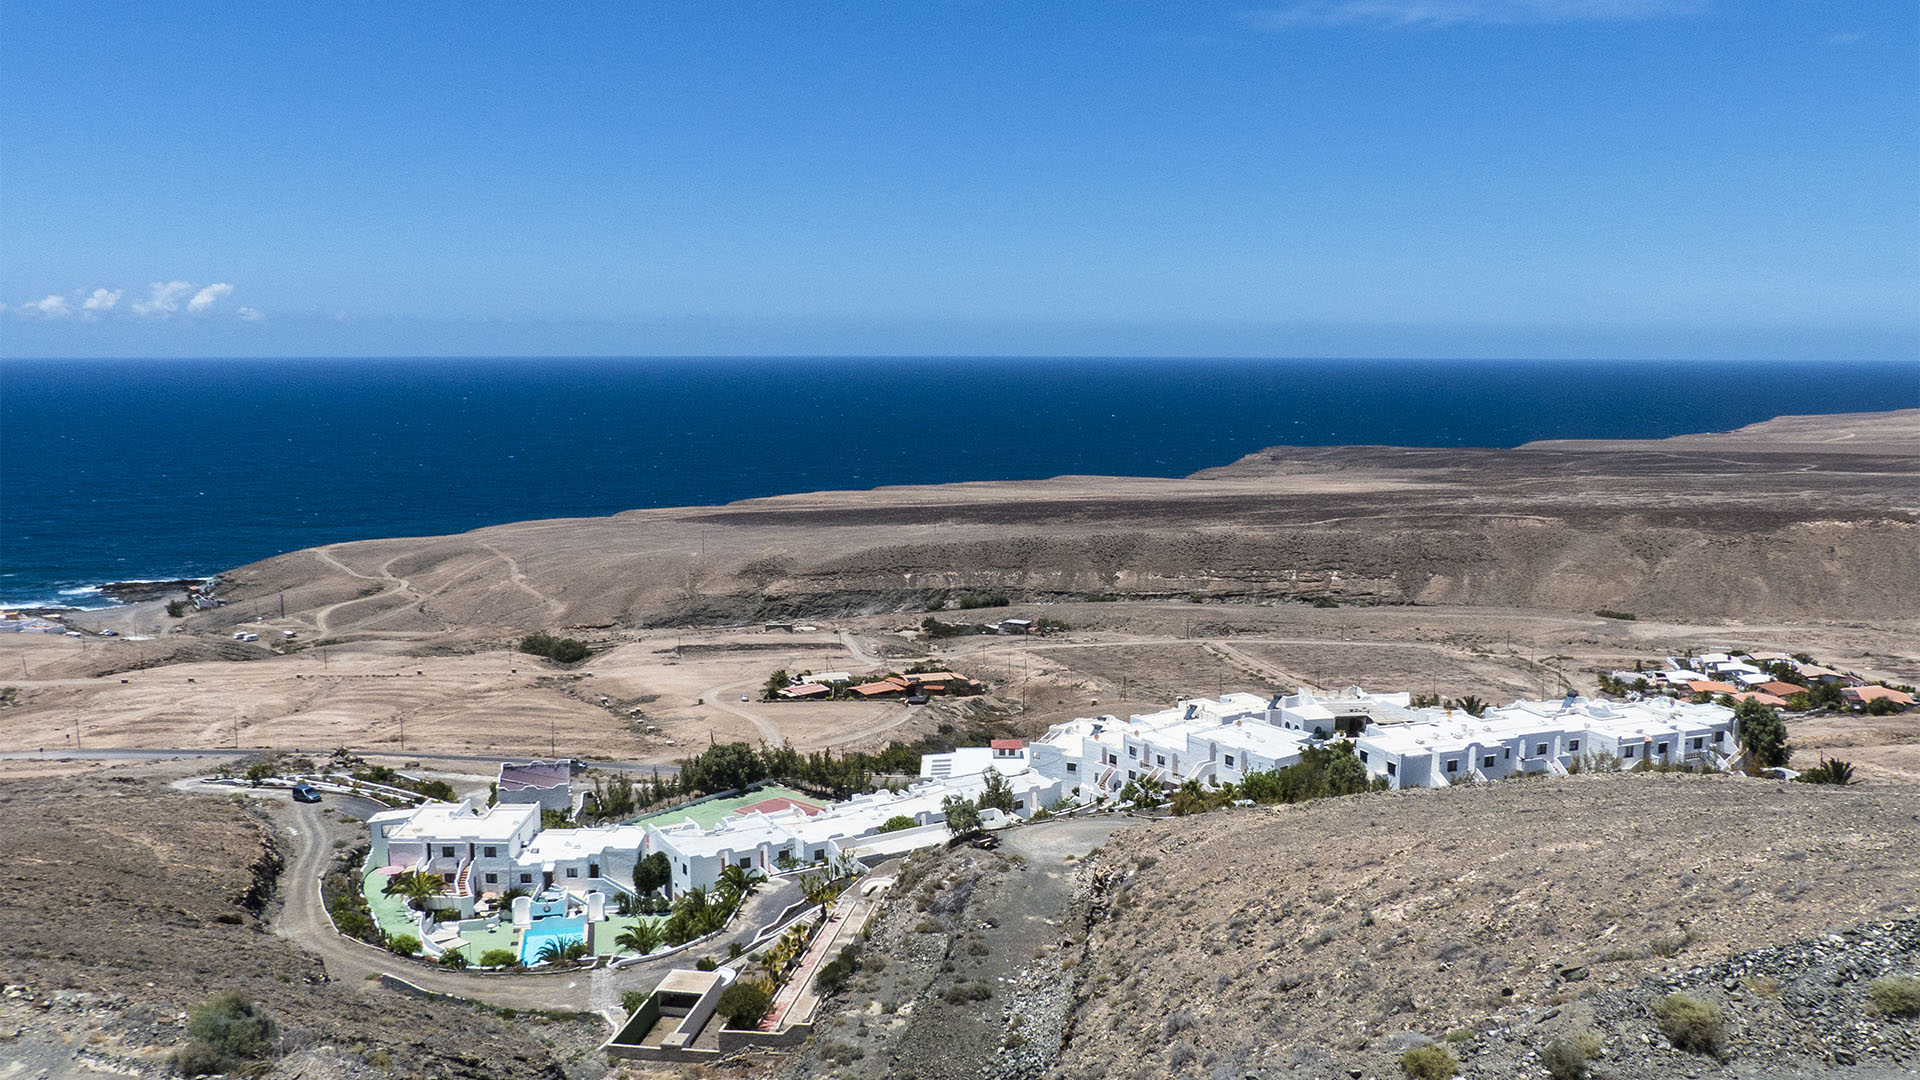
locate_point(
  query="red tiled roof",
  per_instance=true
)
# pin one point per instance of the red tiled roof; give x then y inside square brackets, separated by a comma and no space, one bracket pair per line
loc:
[1780,689]
[1007,744]
[1876,693]
[1712,687]
[889,686]
[1770,700]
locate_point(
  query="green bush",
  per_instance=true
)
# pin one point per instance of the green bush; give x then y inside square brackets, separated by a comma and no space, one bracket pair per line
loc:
[1429,1063]
[896,823]
[1609,613]
[197,1059]
[564,650]
[1896,995]
[631,1001]
[1565,1059]
[835,973]
[745,1003]
[972,601]
[1690,1024]
[495,958]
[455,959]
[403,944]
[229,1028]
[962,993]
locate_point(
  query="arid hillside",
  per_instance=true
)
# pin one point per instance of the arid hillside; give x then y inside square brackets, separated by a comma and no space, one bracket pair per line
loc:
[1333,935]
[1797,517]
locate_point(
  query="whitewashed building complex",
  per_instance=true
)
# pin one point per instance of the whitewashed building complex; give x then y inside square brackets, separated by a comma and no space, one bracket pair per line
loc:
[479,849]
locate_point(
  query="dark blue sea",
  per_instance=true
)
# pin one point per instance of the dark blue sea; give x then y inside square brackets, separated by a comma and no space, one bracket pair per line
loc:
[129,470]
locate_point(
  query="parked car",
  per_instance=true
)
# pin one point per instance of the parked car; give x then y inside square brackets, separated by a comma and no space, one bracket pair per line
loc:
[305,793]
[916,699]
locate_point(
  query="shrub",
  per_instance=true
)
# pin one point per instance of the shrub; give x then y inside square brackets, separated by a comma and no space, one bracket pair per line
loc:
[835,973]
[1609,613]
[1896,995]
[972,601]
[227,1029]
[1565,1060]
[564,650]
[1429,1063]
[1829,771]
[745,1003]
[197,1058]
[631,1001]
[962,993]
[896,823]
[494,958]
[1690,1024]
[455,959]
[403,944]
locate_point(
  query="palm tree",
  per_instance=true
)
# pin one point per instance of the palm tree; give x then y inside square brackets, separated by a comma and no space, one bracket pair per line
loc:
[737,882]
[641,938]
[562,950]
[1472,705]
[417,886]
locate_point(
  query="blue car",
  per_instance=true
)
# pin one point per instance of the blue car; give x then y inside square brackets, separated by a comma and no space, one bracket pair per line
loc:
[304,793]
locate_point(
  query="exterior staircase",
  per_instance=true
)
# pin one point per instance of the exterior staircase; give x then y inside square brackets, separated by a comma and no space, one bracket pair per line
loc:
[463,881]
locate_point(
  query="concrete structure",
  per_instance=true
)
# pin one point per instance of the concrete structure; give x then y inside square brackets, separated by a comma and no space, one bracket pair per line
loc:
[548,784]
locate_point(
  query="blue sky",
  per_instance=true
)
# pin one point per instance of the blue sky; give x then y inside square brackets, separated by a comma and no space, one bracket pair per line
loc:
[1328,177]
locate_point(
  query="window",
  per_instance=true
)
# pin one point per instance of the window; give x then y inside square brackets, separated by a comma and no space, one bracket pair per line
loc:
[526,879]
[493,879]
[447,851]
[1489,764]
[1453,764]
[1507,753]
[448,878]
[746,860]
[1132,775]
[1159,759]
[573,871]
[1698,743]
[1540,750]
[1627,752]
[491,853]
[1363,757]
[1230,760]
[1019,804]
[1663,749]
[1071,767]
[1133,751]
[1392,768]
[1573,746]
[1719,736]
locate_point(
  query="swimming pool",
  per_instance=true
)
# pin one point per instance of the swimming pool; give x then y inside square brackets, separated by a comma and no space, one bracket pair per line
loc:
[542,931]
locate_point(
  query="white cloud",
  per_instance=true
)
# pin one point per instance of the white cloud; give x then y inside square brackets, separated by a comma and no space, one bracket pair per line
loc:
[53,307]
[204,299]
[102,300]
[248,314]
[1442,13]
[164,300]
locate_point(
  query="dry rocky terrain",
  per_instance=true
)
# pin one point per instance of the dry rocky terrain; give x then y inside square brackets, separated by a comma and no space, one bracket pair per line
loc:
[126,905]
[1334,935]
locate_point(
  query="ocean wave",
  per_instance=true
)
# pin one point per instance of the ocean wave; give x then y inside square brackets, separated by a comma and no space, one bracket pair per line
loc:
[84,590]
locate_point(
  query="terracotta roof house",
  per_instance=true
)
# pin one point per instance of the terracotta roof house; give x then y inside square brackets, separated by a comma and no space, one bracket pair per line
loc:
[804,690]
[1864,694]
[1712,688]
[1772,701]
[1780,689]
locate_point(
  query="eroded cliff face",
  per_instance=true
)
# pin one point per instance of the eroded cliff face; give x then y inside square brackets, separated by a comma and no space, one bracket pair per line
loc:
[1682,528]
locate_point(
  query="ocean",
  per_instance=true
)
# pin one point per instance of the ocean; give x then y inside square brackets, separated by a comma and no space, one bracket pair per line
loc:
[153,470]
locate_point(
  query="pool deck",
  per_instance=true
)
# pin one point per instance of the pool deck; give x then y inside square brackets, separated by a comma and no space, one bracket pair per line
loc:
[391,912]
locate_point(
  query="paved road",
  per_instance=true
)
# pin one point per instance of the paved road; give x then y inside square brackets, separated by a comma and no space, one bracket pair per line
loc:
[163,754]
